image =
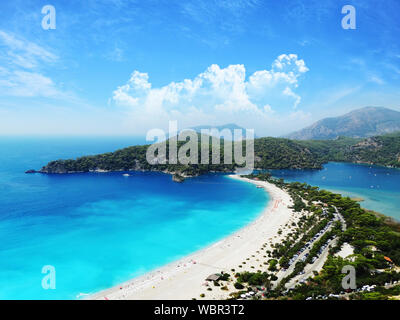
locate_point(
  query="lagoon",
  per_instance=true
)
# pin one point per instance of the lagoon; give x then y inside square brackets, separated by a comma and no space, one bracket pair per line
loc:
[379,187]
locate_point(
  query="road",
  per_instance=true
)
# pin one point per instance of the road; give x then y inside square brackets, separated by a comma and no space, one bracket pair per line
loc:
[317,264]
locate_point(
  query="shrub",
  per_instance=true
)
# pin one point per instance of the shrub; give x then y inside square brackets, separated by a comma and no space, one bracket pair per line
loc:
[224,276]
[238,285]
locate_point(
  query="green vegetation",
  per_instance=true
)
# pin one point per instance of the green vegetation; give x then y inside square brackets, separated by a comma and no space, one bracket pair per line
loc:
[134,159]
[254,278]
[382,150]
[278,153]
[270,153]
[238,285]
[374,238]
[272,264]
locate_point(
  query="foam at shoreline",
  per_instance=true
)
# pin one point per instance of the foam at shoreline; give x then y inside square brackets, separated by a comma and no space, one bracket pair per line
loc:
[183,279]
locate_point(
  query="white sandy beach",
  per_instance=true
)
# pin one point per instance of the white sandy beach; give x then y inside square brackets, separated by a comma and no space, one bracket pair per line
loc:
[185,279]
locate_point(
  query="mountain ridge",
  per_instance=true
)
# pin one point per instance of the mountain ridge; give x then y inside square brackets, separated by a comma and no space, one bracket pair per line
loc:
[360,123]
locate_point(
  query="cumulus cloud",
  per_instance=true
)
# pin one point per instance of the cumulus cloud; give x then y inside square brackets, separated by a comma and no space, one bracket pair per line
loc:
[217,94]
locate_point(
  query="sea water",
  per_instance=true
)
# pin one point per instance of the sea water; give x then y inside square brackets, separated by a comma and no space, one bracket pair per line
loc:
[101,229]
[379,187]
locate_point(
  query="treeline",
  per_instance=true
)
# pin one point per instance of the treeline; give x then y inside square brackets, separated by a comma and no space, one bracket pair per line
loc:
[375,244]
[382,150]
[270,153]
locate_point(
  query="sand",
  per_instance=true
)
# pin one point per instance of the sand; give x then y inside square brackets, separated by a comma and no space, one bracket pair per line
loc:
[345,251]
[185,279]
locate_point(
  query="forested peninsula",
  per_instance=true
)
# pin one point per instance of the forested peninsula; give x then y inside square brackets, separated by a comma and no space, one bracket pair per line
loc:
[270,153]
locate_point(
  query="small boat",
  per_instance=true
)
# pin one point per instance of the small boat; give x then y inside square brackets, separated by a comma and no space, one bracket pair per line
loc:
[126,175]
[260,187]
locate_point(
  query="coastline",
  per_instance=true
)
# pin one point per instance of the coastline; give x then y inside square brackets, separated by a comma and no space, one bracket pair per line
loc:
[183,279]
[365,201]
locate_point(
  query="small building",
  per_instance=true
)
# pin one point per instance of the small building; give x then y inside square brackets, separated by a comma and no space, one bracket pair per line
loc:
[214,277]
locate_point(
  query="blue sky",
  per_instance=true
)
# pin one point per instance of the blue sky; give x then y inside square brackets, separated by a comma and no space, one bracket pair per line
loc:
[124,67]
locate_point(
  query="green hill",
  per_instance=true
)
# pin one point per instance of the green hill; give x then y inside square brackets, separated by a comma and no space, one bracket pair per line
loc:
[270,153]
[381,150]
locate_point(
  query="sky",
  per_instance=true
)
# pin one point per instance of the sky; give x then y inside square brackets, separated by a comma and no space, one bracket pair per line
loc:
[119,67]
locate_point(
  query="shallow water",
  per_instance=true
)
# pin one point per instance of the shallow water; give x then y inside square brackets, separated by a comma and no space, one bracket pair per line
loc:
[379,187]
[100,229]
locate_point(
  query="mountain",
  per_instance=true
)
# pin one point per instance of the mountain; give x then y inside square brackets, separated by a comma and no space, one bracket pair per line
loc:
[230,126]
[360,123]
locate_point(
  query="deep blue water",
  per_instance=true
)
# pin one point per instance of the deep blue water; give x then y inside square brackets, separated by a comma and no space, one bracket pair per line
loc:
[378,186]
[100,229]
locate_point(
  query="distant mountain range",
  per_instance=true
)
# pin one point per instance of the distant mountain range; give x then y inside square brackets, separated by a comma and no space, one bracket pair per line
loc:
[360,123]
[269,152]
[230,126]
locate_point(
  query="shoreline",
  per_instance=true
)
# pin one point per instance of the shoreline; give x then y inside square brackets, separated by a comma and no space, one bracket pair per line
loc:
[363,199]
[183,279]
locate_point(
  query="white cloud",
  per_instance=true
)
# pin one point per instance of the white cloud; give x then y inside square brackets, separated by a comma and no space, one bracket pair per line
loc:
[28,84]
[20,68]
[288,92]
[215,95]
[23,53]
[376,79]
[267,108]
[288,60]
[117,55]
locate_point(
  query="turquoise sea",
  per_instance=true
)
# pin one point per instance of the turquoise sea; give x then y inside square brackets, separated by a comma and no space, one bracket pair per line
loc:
[379,187]
[100,229]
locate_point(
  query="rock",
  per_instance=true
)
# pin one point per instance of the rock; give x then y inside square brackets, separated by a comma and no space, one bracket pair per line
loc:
[30,171]
[177,178]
